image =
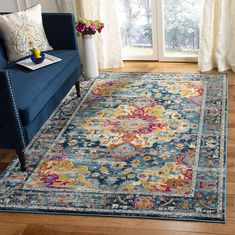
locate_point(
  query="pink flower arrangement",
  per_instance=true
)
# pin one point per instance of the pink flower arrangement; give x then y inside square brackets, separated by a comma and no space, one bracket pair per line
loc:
[89,27]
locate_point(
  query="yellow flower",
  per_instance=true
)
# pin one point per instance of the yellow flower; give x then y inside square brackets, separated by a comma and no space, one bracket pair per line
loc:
[66,164]
[135,162]
[179,146]
[82,169]
[164,157]
[127,171]
[87,184]
[64,178]
[104,170]
[131,176]
[72,142]
[169,166]
[158,95]
[83,181]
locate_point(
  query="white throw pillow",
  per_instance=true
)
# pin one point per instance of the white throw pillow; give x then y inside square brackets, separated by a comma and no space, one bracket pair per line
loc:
[23,31]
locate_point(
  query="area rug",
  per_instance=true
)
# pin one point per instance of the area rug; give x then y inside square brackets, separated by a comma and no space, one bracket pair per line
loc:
[149,145]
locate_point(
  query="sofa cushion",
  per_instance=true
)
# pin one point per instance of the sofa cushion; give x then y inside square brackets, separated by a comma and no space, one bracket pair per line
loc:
[34,89]
[22,31]
[33,127]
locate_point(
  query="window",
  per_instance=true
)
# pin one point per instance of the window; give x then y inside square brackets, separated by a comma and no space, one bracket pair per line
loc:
[166,30]
[136,28]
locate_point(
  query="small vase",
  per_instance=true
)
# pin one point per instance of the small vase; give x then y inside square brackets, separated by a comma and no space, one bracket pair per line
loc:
[89,57]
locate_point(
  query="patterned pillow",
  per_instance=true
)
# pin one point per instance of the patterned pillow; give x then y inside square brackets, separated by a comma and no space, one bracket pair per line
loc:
[22,31]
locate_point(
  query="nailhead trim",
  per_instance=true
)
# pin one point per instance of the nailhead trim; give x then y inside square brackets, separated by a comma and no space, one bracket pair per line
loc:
[15,107]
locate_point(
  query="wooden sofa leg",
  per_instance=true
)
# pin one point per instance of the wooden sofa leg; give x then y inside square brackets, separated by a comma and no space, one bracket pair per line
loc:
[21,156]
[77,85]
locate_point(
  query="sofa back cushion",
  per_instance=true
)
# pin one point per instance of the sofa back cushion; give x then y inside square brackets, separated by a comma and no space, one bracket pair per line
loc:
[3,58]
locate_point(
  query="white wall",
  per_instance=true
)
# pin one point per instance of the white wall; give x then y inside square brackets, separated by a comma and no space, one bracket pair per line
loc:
[9,5]
[47,5]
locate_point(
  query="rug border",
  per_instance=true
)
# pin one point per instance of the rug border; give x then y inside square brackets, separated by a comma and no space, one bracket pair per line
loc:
[116,215]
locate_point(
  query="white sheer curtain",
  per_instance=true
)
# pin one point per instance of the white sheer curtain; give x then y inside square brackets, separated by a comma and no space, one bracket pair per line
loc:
[68,6]
[108,43]
[217,43]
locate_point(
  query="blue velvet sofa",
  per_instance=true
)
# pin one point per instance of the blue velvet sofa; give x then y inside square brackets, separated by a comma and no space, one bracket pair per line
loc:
[27,98]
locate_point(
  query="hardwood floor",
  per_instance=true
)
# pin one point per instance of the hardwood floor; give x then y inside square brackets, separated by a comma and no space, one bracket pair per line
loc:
[42,224]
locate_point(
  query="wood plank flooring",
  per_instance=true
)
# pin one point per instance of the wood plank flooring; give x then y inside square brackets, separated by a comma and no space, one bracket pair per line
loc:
[42,224]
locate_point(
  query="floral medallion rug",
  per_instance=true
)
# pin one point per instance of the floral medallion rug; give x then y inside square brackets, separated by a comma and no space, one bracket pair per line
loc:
[149,145]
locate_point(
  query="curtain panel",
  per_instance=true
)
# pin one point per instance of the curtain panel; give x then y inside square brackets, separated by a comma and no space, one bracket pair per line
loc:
[108,42]
[217,37]
[68,6]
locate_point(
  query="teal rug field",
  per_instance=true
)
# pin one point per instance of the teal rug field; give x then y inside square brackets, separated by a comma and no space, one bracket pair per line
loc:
[150,145]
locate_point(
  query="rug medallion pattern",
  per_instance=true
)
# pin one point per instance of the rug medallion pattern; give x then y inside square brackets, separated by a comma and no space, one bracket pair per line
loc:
[136,144]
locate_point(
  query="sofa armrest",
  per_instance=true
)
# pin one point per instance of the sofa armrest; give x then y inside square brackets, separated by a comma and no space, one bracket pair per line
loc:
[60,30]
[11,129]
